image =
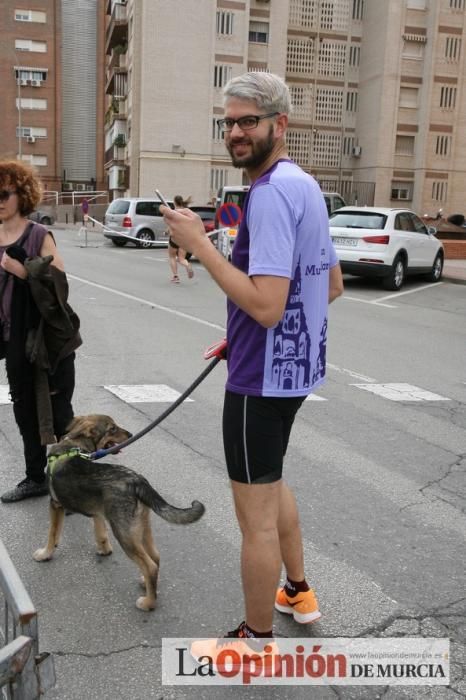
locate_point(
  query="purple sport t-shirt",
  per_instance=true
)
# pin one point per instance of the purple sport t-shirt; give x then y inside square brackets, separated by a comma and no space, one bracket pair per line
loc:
[284,233]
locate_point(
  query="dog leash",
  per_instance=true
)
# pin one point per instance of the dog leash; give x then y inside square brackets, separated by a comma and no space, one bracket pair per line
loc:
[219,352]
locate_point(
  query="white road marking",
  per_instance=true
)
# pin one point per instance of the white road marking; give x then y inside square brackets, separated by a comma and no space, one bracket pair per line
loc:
[355,375]
[4,394]
[408,291]
[314,397]
[401,392]
[144,393]
[373,302]
[196,319]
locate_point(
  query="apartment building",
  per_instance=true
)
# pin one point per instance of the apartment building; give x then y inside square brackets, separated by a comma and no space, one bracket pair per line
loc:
[52,72]
[376,87]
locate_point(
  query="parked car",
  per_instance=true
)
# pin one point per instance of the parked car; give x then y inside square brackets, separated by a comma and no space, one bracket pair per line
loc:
[207,214]
[42,217]
[386,243]
[334,201]
[136,217]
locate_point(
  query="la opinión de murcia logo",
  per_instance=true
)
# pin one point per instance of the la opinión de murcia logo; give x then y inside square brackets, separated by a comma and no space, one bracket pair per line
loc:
[309,663]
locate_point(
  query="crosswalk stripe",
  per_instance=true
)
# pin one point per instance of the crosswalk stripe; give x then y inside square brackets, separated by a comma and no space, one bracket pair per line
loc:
[144,393]
[4,393]
[401,392]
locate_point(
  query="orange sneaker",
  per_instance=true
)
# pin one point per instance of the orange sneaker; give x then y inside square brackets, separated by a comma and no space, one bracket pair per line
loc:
[217,650]
[303,606]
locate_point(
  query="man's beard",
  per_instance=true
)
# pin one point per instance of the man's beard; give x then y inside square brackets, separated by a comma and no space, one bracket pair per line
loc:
[260,151]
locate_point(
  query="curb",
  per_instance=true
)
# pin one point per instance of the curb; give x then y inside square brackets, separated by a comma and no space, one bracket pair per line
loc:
[453,280]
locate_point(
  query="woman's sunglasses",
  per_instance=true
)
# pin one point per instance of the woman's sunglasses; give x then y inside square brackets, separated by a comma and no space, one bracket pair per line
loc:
[5,195]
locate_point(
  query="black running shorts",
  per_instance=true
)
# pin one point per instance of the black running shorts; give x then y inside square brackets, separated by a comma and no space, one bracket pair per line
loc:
[256,430]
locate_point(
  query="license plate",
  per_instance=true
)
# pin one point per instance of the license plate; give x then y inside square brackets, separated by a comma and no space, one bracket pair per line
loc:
[344,242]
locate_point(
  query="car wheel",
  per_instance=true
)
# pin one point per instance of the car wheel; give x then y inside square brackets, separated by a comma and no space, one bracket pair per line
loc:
[145,236]
[46,221]
[437,268]
[395,278]
[119,242]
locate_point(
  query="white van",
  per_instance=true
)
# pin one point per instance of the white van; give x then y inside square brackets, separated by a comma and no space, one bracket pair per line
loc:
[236,194]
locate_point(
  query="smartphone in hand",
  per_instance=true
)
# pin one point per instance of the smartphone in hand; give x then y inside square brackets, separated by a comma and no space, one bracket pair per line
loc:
[162,198]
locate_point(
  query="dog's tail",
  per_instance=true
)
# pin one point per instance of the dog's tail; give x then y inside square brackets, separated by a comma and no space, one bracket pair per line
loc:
[149,496]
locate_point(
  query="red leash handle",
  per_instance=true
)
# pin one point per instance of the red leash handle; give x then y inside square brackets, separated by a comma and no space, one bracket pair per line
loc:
[217,350]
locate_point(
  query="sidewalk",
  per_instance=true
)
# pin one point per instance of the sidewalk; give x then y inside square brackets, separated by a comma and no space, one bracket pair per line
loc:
[455,271]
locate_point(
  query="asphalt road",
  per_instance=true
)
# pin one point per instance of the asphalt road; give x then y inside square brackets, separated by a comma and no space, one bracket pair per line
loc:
[378,466]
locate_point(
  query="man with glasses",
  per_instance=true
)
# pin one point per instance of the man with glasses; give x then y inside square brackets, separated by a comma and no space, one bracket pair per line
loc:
[282,275]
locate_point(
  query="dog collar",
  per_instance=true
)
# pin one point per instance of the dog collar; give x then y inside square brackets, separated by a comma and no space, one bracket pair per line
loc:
[54,460]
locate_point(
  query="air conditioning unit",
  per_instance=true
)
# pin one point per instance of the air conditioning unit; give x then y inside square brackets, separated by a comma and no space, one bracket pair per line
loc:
[67,187]
[80,187]
[31,139]
[23,81]
[356,151]
[36,83]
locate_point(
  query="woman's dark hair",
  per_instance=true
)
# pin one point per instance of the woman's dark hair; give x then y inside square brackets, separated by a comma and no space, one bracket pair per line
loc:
[14,173]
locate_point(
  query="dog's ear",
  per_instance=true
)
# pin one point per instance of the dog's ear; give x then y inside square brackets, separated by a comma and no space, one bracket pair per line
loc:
[82,426]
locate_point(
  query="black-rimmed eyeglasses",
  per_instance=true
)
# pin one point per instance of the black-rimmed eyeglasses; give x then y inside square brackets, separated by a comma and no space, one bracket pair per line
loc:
[5,195]
[249,121]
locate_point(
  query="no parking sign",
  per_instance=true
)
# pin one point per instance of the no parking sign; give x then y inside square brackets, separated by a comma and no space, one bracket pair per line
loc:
[229,214]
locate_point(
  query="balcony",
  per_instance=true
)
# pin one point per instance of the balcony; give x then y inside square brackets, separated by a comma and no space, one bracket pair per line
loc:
[117,30]
[117,83]
[115,155]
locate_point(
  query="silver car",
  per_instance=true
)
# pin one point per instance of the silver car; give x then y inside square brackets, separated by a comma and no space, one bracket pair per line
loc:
[136,220]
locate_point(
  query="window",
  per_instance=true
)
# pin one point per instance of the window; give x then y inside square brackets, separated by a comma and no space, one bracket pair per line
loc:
[443,145]
[404,222]
[259,32]
[416,4]
[409,97]
[222,75]
[358,9]
[298,142]
[329,105]
[351,101]
[354,55]
[404,145]
[348,145]
[300,56]
[447,97]
[413,49]
[30,16]
[457,4]
[303,14]
[37,132]
[28,103]
[301,99]
[224,22]
[218,178]
[30,76]
[29,45]
[332,58]
[439,190]
[452,48]
[402,190]
[33,159]
[147,208]
[217,133]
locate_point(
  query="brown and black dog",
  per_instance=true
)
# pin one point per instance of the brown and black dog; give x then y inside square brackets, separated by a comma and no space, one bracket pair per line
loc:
[108,492]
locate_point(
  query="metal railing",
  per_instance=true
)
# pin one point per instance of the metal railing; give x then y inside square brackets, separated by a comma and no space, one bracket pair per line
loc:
[24,673]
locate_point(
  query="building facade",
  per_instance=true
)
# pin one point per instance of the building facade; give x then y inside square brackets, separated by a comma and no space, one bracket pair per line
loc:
[52,71]
[376,87]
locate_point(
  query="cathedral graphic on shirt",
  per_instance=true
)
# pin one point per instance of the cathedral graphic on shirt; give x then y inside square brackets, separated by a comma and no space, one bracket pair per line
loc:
[291,364]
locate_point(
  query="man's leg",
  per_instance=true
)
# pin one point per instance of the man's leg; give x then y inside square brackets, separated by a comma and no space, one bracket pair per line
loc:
[257,509]
[289,531]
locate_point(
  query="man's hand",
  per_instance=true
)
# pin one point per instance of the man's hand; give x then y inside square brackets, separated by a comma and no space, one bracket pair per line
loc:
[13,266]
[186,227]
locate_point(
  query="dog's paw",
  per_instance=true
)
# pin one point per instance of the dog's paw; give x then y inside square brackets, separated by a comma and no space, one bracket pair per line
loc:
[42,554]
[145,603]
[105,550]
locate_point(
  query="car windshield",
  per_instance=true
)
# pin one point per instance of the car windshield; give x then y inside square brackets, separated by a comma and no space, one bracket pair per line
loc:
[118,206]
[358,219]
